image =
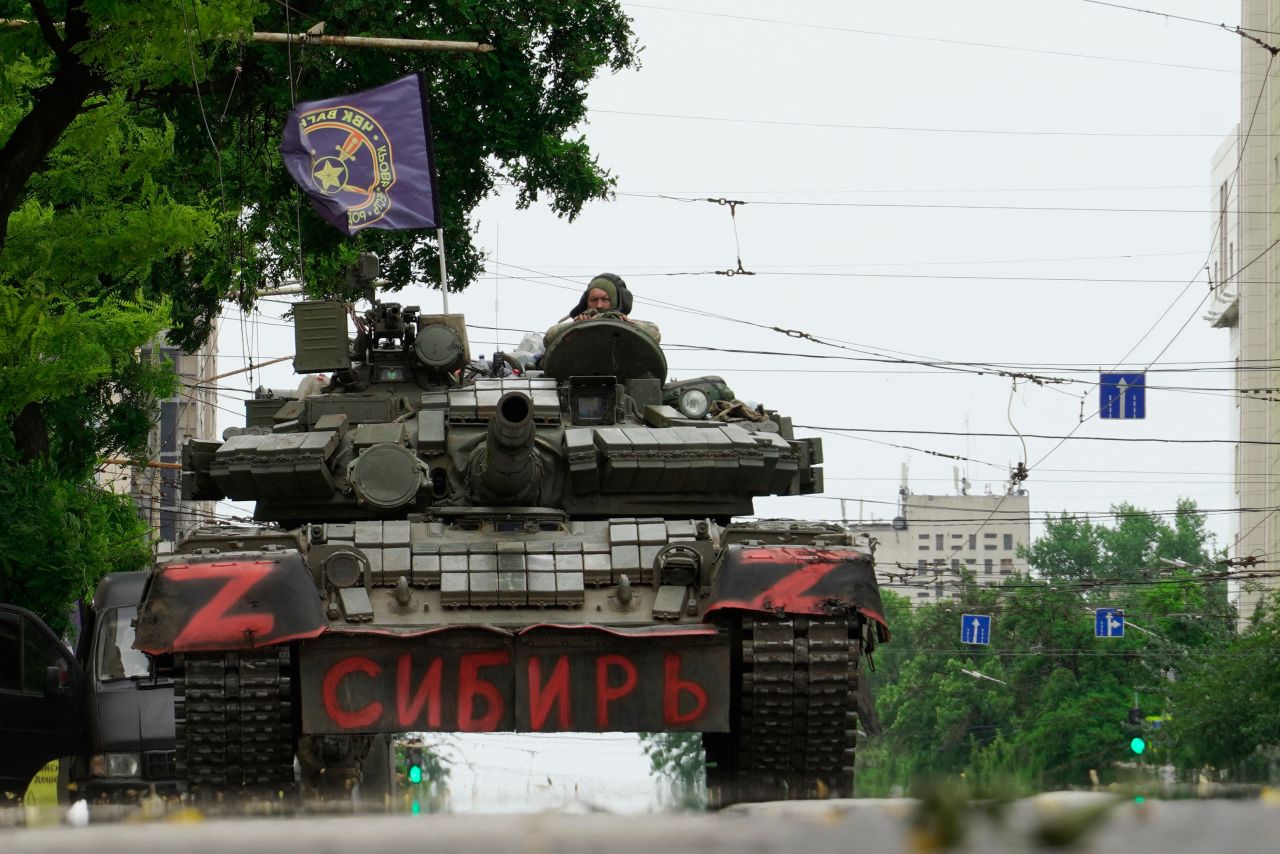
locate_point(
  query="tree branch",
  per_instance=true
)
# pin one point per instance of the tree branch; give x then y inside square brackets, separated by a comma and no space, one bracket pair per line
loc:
[56,107]
[47,28]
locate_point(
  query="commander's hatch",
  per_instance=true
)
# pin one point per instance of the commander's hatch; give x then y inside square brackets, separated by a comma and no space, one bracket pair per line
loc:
[605,347]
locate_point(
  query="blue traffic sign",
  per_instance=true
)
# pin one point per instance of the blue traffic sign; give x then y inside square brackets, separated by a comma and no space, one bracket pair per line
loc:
[1108,623]
[1123,395]
[975,628]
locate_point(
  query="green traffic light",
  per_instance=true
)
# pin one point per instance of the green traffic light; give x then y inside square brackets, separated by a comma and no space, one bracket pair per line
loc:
[415,773]
[1137,745]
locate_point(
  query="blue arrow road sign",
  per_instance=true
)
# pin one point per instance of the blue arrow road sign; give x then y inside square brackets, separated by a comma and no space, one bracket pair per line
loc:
[1108,623]
[1123,395]
[975,628]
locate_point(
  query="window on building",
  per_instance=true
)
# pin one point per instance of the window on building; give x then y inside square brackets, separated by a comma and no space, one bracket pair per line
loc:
[973,542]
[921,567]
[925,547]
[957,536]
[1008,542]
[924,537]
[923,594]
[987,565]
[940,543]
[955,565]
[1006,566]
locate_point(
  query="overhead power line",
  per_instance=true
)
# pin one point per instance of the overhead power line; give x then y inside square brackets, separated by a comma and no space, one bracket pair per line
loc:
[932,40]
[1244,32]
[913,128]
[964,207]
[975,434]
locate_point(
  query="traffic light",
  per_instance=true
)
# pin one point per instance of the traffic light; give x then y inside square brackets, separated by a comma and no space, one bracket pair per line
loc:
[413,763]
[1137,720]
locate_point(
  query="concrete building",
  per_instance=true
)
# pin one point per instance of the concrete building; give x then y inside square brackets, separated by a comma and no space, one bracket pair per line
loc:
[921,553]
[1239,305]
[1245,263]
[191,412]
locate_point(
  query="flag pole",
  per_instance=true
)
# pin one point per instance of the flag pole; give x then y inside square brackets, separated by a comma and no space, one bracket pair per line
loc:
[444,280]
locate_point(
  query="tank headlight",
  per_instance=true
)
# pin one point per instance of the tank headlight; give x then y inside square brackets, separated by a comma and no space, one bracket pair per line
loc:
[115,765]
[693,403]
[342,569]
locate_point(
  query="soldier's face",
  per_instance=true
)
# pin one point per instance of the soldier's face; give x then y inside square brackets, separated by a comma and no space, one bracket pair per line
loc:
[598,299]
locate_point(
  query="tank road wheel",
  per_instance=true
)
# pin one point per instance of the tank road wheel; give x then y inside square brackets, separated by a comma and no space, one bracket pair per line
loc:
[793,711]
[234,717]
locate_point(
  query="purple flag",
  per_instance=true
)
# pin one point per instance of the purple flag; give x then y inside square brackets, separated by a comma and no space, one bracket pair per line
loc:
[365,159]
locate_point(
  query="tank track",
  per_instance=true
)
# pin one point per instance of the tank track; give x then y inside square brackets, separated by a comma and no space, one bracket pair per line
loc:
[234,716]
[793,712]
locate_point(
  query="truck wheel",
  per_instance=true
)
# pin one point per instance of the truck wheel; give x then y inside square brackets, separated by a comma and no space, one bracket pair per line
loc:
[793,710]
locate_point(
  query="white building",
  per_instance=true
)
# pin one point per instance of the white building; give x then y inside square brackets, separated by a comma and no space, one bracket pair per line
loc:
[921,553]
[1245,263]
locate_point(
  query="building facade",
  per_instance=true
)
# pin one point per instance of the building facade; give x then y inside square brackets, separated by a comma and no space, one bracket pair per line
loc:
[1245,264]
[191,412]
[923,552]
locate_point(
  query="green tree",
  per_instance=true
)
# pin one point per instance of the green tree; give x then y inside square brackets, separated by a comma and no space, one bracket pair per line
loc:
[1062,709]
[677,759]
[1224,710]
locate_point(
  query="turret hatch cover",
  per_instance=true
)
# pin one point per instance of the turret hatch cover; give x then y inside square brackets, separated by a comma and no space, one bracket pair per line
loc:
[605,347]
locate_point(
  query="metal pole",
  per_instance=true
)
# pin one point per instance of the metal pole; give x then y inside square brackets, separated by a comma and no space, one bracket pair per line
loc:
[369,41]
[444,279]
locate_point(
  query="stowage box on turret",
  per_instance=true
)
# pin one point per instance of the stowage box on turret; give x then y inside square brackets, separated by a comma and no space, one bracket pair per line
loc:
[445,545]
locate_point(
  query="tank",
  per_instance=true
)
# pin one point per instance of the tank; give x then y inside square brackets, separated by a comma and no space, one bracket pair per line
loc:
[442,544]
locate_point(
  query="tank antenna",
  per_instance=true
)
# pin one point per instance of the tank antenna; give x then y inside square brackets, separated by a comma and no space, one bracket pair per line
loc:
[444,279]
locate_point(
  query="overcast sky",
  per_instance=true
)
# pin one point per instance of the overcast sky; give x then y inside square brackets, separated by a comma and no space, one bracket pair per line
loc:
[921,179]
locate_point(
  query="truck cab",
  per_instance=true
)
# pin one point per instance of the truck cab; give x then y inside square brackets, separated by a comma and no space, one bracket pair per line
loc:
[131,735]
[103,707]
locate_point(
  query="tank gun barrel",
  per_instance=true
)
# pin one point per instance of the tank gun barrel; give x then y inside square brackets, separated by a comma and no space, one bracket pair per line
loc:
[512,469]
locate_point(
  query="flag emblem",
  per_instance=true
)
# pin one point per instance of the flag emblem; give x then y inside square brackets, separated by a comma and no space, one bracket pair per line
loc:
[365,159]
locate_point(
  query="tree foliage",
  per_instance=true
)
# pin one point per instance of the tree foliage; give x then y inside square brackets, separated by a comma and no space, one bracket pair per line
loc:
[61,537]
[1060,709]
[1226,708]
[676,758]
[152,128]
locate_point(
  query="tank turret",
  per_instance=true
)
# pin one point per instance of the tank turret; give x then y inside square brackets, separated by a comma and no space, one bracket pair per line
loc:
[507,470]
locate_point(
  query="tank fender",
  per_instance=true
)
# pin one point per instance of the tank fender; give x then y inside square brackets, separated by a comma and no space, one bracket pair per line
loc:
[229,604]
[798,581]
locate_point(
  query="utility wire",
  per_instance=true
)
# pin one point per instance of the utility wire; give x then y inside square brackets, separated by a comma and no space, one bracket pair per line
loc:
[1244,32]
[979,434]
[964,207]
[931,40]
[913,128]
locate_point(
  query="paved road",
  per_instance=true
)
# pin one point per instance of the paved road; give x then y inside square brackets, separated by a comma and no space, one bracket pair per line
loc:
[867,825]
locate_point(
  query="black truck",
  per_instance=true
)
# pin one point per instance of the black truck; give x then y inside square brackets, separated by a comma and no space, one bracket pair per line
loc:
[101,708]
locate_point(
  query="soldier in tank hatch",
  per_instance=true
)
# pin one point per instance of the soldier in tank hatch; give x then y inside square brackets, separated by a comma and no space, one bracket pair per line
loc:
[606,292]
